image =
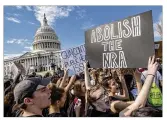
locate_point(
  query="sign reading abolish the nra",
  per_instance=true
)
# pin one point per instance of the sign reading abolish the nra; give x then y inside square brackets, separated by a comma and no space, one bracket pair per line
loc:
[126,43]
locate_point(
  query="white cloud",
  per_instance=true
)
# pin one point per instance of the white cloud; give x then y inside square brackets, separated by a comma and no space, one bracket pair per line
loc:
[9,56]
[31,23]
[18,41]
[29,8]
[15,14]
[29,48]
[52,12]
[19,7]
[11,41]
[81,14]
[13,19]
[158,27]
[87,25]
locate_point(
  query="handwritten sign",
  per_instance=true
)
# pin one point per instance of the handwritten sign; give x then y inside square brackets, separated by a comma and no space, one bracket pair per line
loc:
[127,43]
[73,58]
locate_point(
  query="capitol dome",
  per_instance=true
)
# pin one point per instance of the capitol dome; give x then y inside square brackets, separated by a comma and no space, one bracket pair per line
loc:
[45,38]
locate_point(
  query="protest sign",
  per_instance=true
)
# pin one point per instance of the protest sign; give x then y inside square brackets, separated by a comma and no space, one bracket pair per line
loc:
[17,67]
[73,58]
[126,43]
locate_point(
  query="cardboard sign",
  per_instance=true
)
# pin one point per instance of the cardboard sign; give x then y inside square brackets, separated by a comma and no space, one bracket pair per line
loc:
[126,43]
[73,58]
[16,67]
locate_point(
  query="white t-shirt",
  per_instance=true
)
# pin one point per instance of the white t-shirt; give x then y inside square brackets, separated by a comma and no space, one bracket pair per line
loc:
[157,78]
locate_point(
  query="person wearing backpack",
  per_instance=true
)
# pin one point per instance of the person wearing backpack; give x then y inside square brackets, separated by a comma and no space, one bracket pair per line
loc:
[155,95]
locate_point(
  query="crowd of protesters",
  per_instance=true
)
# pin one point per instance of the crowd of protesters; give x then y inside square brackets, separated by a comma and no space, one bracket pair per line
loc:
[96,92]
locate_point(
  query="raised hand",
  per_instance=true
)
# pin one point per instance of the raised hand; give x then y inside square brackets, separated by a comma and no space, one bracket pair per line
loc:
[137,74]
[152,66]
[85,64]
[119,72]
[65,70]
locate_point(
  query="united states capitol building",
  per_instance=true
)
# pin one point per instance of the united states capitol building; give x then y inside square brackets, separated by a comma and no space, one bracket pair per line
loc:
[46,50]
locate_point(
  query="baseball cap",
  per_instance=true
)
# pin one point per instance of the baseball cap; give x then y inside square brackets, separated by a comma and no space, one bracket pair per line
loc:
[26,88]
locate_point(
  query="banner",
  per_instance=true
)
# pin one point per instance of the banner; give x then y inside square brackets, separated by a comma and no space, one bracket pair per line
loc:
[126,43]
[74,58]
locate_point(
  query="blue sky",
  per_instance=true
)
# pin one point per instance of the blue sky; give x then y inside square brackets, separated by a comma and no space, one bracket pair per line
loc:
[69,23]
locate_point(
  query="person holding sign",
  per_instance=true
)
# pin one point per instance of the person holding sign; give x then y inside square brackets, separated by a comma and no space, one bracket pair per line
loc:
[141,99]
[96,96]
[117,103]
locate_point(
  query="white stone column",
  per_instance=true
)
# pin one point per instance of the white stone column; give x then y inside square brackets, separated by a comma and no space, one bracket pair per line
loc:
[27,62]
[31,61]
[44,60]
[37,61]
[34,61]
[41,61]
[47,63]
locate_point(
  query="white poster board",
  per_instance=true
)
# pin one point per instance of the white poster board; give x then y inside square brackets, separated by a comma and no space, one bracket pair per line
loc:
[74,58]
